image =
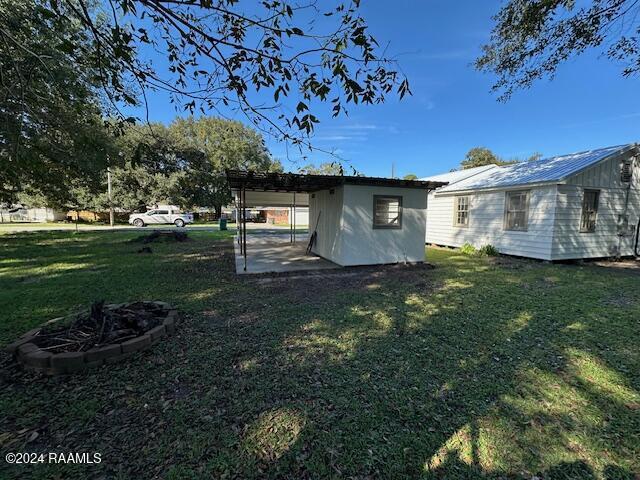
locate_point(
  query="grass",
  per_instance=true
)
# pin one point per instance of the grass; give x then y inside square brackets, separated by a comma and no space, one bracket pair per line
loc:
[480,367]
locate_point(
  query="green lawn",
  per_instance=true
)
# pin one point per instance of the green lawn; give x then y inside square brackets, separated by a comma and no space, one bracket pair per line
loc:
[480,366]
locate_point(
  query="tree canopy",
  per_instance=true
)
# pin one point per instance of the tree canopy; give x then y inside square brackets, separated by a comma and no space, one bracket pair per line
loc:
[51,115]
[326,168]
[184,163]
[481,156]
[410,176]
[531,38]
[220,54]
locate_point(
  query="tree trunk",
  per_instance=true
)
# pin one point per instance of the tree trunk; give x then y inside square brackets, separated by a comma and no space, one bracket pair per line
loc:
[218,211]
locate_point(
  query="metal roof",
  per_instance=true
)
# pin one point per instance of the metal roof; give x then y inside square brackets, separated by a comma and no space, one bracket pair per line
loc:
[295,182]
[458,175]
[548,170]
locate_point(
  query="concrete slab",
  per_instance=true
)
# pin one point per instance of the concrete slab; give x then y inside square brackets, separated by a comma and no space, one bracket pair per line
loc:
[275,254]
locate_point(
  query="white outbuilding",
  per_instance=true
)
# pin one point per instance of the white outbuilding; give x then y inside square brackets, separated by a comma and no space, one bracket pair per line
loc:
[352,220]
[582,205]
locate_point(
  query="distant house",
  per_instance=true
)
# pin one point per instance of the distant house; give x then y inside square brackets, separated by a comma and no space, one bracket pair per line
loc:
[583,205]
[35,215]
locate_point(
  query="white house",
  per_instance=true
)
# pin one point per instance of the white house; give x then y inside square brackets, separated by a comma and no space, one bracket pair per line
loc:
[35,215]
[583,205]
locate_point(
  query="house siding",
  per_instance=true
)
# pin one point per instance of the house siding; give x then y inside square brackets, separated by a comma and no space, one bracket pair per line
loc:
[486,222]
[568,241]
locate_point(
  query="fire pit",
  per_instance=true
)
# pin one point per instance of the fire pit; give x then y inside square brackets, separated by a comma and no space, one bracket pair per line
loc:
[102,334]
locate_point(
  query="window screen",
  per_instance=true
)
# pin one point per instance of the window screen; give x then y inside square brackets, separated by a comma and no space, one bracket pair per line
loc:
[461,212]
[516,210]
[387,212]
[589,210]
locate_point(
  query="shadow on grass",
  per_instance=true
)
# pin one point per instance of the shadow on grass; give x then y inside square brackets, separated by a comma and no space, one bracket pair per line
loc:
[476,368]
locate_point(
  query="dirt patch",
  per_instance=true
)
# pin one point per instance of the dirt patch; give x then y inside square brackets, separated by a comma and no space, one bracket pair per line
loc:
[316,286]
[162,236]
[626,264]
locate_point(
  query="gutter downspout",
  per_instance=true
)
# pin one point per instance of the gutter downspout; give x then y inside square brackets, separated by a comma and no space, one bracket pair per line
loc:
[636,248]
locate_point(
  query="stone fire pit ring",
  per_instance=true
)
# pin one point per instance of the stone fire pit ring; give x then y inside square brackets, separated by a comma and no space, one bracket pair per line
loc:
[31,357]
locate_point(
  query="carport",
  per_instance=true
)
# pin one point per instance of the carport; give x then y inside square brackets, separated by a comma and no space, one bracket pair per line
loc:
[353,220]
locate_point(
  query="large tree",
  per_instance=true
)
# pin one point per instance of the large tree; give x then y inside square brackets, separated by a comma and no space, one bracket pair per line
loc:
[326,168]
[531,38]
[184,163]
[481,156]
[224,143]
[51,125]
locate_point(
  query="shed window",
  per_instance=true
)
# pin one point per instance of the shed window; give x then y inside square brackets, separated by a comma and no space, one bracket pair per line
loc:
[516,210]
[461,212]
[589,210]
[387,211]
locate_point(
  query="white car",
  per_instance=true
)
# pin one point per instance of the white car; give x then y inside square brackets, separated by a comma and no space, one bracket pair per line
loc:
[160,216]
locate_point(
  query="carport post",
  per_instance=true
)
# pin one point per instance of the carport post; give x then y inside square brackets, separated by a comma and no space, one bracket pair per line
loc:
[244,226]
[239,218]
[290,224]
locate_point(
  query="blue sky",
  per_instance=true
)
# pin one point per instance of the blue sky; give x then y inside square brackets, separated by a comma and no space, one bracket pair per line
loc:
[589,104]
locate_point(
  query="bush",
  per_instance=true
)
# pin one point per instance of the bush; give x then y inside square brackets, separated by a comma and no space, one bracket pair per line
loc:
[484,251]
[468,249]
[488,250]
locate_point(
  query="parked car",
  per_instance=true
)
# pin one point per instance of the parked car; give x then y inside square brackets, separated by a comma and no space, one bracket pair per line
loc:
[160,216]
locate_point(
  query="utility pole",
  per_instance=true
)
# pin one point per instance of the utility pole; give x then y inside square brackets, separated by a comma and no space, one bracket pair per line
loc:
[393,169]
[109,196]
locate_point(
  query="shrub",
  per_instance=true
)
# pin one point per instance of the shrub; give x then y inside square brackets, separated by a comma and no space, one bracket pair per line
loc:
[468,249]
[484,251]
[488,250]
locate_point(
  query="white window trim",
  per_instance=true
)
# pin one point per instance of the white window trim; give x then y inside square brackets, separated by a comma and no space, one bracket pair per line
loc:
[456,211]
[582,211]
[526,210]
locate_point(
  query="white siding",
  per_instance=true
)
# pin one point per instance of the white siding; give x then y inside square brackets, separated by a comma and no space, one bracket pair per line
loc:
[345,231]
[364,245]
[568,241]
[486,223]
[325,209]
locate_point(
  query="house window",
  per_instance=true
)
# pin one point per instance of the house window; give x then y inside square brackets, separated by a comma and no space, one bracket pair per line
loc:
[387,211]
[461,212]
[516,210]
[589,210]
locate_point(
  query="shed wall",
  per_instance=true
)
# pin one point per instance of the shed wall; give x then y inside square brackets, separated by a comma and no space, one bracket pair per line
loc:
[364,245]
[325,209]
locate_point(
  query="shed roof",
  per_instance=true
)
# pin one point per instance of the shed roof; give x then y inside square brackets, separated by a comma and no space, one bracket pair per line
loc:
[295,182]
[547,170]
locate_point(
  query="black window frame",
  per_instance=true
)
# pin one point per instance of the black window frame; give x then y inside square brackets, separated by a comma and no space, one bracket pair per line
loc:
[587,227]
[388,226]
